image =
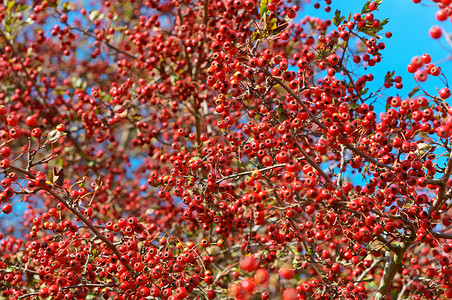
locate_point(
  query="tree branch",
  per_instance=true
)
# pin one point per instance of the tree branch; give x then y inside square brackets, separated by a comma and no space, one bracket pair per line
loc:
[392,267]
[441,235]
[322,126]
[81,217]
[363,274]
[106,43]
[440,199]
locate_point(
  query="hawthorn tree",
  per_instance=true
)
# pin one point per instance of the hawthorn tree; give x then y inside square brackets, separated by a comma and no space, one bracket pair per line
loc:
[182,149]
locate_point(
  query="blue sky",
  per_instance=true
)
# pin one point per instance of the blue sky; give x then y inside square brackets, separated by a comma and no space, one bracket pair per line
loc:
[409,24]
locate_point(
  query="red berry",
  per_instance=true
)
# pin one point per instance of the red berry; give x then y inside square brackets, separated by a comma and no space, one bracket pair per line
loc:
[444,93]
[249,264]
[441,15]
[5,151]
[435,32]
[261,276]
[61,127]
[31,121]
[7,208]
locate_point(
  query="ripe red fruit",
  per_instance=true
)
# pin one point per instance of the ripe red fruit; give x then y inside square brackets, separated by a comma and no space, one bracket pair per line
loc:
[411,68]
[36,133]
[370,220]
[444,93]
[261,276]
[248,286]
[5,151]
[181,293]
[7,208]
[3,110]
[333,59]
[426,58]
[441,14]
[373,5]
[211,294]
[31,121]
[205,243]
[61,127]
[443,131]
[249,264]
[235,290]
[287,272]
[421,75]
[435,32]
[285,35]
[4,163]
[290,294]
[310,209]
[448,293]
[12,120]
[431,272]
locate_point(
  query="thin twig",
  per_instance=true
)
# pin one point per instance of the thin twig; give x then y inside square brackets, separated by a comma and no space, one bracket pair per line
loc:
[80,216]
[440,199]
[374,264]
[322,126]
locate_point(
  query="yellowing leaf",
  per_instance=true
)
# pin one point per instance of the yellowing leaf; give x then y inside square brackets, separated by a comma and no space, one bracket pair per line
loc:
[263,7]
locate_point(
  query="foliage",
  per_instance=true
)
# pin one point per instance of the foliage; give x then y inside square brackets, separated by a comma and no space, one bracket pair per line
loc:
[218,149]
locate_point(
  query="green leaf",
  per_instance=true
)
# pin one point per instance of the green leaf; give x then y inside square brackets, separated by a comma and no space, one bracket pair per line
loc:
[10,5]
[263,7]
[95,254]
[22,7]
[282,114]
[279,29]
[413,91]
[337,16]
[271,24]
[366,7]
[8,21]
[353,105]
[337,19]
[369,30]
[53,4]
[363,92]
[67,7]
[173,79]
[264,19]
[323,52]
[349,17]
[254,36]
[389,75]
